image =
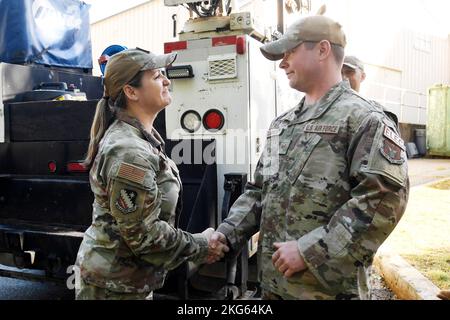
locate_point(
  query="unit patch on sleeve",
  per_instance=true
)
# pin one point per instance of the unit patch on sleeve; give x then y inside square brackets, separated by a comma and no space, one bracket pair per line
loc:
[126,201]
[391,152]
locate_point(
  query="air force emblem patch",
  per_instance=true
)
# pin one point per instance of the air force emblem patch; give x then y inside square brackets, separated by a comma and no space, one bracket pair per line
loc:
[126,202]
[392,147]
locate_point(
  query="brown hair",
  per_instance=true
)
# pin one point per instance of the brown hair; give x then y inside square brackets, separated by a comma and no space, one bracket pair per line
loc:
[104,116]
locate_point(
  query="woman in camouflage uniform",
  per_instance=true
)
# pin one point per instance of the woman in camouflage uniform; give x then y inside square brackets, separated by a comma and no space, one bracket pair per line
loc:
[132,241]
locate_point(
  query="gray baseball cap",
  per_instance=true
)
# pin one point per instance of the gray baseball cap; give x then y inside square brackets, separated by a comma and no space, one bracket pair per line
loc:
[353,63]
[123,66]
[310,29]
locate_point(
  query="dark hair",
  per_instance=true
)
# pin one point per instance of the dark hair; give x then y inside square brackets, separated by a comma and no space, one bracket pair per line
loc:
[337,50]
[104,116]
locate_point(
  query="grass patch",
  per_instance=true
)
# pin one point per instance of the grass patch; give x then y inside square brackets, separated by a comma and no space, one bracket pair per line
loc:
[442,185]
[433,264]
[422,236]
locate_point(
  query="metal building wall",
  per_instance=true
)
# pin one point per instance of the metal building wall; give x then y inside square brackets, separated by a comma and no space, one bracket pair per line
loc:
[146,26]
[402,59]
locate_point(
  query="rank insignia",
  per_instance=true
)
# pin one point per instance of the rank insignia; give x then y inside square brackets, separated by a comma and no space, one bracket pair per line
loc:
[126,201]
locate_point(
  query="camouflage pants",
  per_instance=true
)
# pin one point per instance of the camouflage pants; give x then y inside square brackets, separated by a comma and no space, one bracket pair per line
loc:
[90,292]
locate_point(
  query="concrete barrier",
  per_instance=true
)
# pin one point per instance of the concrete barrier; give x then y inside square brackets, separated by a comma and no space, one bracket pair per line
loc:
[403,279]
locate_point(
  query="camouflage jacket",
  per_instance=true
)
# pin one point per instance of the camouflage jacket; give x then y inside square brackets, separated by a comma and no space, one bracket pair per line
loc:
[132,241]
[332,177]
[390,114]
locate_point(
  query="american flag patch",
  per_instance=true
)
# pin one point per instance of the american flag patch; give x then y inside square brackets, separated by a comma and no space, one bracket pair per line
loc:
[131,173]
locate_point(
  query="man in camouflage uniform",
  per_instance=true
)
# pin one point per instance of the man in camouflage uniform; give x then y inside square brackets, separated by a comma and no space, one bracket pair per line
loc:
[331,183]
[353,71]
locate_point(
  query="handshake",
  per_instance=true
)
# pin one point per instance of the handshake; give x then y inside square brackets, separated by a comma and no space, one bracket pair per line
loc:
[217,245]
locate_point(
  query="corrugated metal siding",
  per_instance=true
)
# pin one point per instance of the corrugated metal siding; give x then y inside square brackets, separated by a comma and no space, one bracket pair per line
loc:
[421,60]
[146,26]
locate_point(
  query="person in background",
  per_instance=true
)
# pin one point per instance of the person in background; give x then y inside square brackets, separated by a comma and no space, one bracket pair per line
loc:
[353,71]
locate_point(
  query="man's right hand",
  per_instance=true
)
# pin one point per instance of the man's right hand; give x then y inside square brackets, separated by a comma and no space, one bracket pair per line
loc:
[217,247]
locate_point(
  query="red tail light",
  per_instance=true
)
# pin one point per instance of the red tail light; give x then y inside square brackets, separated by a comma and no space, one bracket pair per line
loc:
[52,166]
[240,45]
[174,46]
[213,120]
[76,167]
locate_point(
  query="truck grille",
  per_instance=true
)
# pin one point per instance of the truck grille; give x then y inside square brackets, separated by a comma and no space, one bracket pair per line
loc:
[222,67]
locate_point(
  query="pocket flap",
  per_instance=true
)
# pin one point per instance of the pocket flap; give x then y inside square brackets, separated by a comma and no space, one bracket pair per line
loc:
[303,157]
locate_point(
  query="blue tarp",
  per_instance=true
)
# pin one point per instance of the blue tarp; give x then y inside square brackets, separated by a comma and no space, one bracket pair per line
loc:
[50,32]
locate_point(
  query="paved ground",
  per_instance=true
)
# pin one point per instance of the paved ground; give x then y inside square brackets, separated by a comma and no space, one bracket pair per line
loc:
[14,289]
[421,171]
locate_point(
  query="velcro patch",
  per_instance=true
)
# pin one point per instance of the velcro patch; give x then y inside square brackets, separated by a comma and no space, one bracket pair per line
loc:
[322,128]
[391,152]
[126,202]
[274,132]
[132,173]
[391,135]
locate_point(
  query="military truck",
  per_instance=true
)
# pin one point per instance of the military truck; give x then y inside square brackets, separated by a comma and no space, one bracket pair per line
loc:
[224,97]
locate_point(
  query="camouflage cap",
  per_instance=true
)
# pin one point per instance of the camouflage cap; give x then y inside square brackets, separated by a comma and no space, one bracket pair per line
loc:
[123,66]
[310,29]
[353,63]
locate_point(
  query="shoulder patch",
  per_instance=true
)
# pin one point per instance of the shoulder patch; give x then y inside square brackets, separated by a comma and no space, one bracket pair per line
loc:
[126,201]
[392,136]
[132,173]
[391,152]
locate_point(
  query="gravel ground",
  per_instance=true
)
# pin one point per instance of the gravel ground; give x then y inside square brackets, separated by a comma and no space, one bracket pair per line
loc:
[380,291]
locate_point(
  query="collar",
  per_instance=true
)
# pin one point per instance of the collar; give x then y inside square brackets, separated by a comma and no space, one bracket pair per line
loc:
[318,109]
[153,137]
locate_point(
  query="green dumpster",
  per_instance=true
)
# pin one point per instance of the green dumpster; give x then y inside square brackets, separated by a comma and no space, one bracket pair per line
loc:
[438,121]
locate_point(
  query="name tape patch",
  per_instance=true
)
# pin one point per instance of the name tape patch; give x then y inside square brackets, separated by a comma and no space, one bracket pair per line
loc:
[391,135]
[322,128]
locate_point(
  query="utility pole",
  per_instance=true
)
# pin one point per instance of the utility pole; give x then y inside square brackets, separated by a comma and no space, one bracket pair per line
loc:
[280,16]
